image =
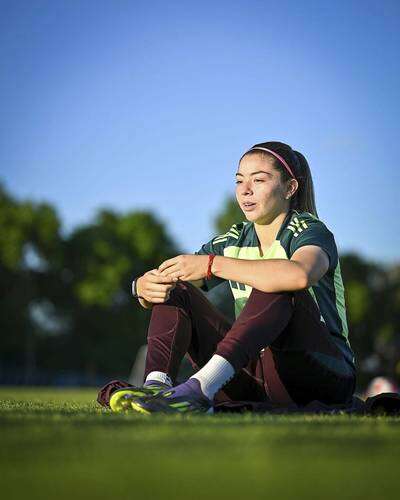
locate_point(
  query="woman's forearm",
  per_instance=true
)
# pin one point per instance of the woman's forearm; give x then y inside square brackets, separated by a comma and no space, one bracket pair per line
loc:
[271,275]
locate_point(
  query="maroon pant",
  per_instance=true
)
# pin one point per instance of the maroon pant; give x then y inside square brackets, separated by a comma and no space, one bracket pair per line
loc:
[269,345]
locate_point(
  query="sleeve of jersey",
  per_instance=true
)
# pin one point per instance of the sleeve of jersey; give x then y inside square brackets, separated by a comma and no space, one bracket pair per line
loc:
[215,246]
[314,232]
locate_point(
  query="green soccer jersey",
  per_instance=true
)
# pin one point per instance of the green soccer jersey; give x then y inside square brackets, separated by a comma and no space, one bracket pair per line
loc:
[298,229]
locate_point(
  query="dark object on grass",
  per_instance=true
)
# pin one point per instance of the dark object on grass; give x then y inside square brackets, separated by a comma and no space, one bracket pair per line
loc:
[386,403]
[105,393]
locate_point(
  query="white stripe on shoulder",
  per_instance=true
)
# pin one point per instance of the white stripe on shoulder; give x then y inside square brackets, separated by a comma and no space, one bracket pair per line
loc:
[215,242]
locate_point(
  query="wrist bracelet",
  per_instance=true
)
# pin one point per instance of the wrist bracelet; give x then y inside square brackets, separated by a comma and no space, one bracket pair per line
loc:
[134,289]
[210,261]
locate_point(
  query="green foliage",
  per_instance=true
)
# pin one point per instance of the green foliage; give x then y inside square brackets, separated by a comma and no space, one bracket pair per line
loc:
[115,248]
[105,255]
[81,282]
[30,255]
[373,312]
[358,296]
[230,214]
[26,223]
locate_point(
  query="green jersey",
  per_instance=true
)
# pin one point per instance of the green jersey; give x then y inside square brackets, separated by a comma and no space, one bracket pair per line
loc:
[297,230]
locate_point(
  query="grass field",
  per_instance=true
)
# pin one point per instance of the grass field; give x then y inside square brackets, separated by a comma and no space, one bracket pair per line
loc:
[58,444]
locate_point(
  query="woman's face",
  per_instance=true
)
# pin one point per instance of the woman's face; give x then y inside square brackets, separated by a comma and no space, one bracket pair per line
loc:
[259,190]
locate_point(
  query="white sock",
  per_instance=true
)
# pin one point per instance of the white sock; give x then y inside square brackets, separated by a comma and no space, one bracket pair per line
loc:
[162,377]
[214,374]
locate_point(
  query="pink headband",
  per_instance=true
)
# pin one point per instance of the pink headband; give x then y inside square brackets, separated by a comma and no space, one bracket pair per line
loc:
[276,156]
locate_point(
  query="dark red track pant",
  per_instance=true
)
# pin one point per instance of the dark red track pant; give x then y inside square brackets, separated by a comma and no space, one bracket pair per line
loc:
[269,346]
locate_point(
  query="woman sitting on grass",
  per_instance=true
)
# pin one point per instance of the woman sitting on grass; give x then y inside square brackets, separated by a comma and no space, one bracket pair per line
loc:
[289,343]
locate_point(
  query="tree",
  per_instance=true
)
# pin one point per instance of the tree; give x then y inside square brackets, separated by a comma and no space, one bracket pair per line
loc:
[30,255]
[100,260]
[230,214]
[66,300]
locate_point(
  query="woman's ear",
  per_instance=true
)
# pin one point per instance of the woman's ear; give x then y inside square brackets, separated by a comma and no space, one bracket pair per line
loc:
[292,187]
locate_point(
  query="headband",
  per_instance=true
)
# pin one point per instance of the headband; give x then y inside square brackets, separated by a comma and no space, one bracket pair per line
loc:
[278,157]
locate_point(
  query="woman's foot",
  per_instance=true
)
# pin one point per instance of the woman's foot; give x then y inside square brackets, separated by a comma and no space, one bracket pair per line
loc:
[184,398]
[121,399]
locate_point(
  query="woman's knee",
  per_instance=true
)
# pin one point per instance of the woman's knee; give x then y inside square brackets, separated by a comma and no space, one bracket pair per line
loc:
[268,296]
[181,294]
[273,304]
[177,295]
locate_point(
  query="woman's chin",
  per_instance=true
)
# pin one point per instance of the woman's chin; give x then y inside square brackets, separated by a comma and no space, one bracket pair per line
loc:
[256,219]
[251,217]
[256,215]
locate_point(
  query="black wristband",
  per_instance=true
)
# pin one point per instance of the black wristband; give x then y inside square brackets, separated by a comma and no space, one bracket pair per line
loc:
[134,289]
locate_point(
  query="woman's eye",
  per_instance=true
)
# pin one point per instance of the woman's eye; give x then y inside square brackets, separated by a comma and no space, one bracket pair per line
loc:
[255,180]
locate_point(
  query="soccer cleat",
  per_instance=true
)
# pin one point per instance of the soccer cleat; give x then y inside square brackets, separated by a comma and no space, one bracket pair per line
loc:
[121,399]
[173,401]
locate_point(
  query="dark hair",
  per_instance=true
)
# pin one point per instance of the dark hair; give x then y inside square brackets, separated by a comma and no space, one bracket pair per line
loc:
[304,198]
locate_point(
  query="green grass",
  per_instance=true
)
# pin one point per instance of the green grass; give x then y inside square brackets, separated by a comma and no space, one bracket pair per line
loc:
[58,444]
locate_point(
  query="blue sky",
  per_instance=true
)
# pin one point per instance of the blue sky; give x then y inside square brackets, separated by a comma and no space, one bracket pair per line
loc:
[149,105]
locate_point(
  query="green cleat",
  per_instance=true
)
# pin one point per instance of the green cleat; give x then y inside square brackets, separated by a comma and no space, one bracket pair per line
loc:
[185,398]
[121,399]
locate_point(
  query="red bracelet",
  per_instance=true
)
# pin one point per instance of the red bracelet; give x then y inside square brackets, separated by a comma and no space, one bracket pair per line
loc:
[210,261]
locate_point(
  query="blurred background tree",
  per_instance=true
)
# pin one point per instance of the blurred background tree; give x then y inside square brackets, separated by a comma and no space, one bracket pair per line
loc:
[30,258]
[66,313]
[100,261]
[230,214]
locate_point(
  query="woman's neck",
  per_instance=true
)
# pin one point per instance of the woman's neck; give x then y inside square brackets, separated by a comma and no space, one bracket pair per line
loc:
[267,232]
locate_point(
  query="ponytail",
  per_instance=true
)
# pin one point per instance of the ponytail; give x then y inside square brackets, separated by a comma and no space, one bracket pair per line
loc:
[304,198]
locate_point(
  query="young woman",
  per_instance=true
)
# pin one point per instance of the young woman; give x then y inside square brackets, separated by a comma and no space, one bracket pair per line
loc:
[289,343]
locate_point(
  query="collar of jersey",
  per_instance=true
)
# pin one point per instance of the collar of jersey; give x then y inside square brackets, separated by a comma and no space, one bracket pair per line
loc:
[285,222]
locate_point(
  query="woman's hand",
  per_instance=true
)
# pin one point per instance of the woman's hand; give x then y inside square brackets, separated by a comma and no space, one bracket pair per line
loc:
[155,287]
[185,267]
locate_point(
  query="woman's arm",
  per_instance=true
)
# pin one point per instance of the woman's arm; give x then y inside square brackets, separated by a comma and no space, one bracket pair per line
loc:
[307,265]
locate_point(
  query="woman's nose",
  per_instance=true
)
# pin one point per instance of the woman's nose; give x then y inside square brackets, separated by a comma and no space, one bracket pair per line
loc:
[245,188]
